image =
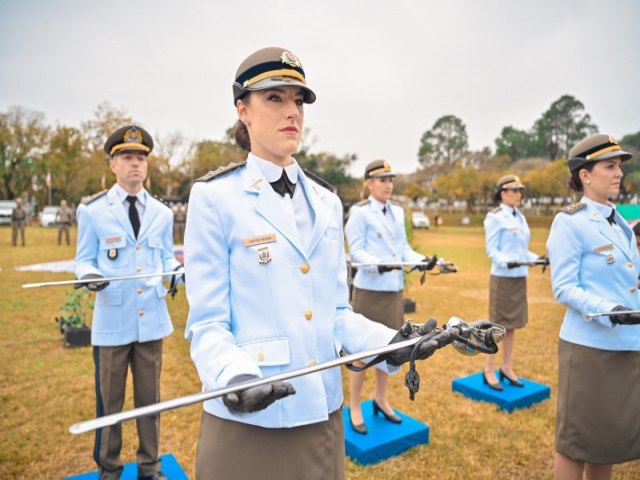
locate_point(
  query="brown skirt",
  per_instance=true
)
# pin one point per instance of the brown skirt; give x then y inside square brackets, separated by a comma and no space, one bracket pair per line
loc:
[508,301]
[382,307]
[598,414]
[234,450]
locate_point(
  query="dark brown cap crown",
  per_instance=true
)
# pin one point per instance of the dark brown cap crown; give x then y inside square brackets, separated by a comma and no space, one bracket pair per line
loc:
[268,68]
[129,139]
[595,148]
[378,169]
[509,182]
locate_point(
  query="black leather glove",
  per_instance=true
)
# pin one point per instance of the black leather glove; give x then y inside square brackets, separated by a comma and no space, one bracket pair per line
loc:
[93,286]
[513,265]
[258,398]
[625,318]
[175,280]
[386,268]
[430,264]
[403,355]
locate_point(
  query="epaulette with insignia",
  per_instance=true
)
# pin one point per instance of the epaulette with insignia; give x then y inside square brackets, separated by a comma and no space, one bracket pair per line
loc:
[573,208]
[321,181]
[162,201]
[94,197]
[362,203]
[221,171]
[495,210]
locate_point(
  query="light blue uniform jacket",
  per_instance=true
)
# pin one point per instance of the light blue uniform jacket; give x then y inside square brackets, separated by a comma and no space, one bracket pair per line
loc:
[593,270]
[372,238]
[507,240]
[131,310]
[260,303]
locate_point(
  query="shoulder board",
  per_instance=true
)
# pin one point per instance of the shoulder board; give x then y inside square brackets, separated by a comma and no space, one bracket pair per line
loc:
[362,203]
[161,201]
[495,210]
[320,181]
[94,197]
[221,171]
[573,208]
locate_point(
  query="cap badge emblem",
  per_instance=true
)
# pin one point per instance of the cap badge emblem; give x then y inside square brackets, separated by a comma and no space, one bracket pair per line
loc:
[133,135]
[290,59]
[612,140]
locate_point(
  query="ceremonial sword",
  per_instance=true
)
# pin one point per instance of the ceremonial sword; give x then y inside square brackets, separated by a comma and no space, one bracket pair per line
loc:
[455,328]
[105,279]
[606,314]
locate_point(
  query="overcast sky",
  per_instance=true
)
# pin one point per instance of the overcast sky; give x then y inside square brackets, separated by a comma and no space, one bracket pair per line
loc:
[383,71]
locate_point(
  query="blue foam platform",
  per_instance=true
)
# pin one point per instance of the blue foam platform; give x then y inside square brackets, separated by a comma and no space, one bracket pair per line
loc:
[170,467]
[384,439]
[509,399]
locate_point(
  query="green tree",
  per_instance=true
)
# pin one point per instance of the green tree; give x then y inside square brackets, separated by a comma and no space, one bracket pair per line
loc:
[461,184]
[517,144]
[445,144]
[562,125]
[211,154]
[23,134]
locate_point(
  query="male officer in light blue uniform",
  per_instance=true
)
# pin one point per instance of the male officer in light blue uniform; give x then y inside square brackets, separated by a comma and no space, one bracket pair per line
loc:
[126,231]
[376,234]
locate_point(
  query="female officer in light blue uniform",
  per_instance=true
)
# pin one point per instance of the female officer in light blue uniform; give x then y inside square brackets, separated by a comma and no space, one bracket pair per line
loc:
[507,237]
[267,291]
[594,269]
[376,233]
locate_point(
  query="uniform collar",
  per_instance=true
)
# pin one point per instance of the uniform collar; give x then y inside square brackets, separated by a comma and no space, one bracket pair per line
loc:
[273,172]
[122,194]
[507,209]
[377,205]
[602,209]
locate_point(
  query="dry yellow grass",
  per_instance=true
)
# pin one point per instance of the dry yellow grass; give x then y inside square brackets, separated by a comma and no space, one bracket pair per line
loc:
[45,387]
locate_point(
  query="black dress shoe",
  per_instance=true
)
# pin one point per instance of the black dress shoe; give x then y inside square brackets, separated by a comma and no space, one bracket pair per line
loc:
[393,418]
[513,381]
[494,386]
[154,476]
[361,428]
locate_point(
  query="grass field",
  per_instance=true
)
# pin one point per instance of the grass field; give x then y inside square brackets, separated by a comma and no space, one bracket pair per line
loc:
[44,387]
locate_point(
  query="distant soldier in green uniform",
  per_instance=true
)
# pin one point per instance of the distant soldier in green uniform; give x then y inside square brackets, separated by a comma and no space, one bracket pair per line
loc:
[179,221]
[64,218]
[18,222]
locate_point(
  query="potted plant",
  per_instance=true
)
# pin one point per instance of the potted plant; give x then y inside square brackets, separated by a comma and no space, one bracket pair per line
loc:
[72,323]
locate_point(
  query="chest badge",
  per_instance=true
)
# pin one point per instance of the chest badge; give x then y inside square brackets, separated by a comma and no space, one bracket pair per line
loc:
[112,254]
[264,255]
[610,259]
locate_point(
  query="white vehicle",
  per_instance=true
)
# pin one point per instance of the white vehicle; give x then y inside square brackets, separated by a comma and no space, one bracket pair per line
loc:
[420,220]
[6,207]
[48,216]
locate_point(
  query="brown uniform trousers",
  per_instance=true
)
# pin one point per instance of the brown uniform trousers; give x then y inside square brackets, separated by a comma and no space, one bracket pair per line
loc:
[112,364]
[64,217]
[18,222]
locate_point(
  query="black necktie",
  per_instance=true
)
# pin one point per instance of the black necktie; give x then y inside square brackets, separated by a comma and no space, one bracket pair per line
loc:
[133,214]
[514,212]
[384,210]
[284,185]
[611,218]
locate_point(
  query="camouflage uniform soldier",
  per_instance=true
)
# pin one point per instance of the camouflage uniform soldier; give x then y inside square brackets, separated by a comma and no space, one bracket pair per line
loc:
[64,217]
[179,220]
[18,222]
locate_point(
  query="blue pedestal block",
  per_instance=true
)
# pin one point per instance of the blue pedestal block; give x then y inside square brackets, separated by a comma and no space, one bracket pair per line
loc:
[170,467]
[384,439]
[509,399]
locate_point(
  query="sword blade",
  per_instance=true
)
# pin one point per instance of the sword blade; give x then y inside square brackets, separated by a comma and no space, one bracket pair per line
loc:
[106,279]
[115,418]
[608,314]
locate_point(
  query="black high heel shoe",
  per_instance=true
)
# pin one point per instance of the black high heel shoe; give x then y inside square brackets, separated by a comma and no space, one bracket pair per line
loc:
[493,386]
[513,381]
[361,428]
[393,418]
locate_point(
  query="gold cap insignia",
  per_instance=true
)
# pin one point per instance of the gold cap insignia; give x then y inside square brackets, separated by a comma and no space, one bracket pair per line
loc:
[290,59]
[133,135]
